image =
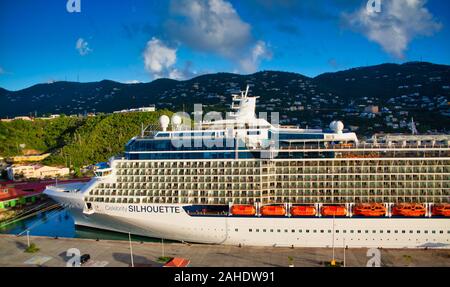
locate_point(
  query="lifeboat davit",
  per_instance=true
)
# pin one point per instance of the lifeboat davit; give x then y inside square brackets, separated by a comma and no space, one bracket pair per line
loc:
[441,210]
[333,210]
[303,210]
[409,209]
[273,210]
[370,210]
[247,210]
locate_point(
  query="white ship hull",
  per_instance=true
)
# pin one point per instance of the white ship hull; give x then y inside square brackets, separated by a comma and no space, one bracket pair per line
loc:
[172,222]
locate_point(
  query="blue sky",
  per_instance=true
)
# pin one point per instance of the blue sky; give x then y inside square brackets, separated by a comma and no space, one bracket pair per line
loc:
[141,40]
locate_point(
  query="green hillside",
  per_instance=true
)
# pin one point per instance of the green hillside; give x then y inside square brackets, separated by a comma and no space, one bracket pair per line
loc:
[79,141]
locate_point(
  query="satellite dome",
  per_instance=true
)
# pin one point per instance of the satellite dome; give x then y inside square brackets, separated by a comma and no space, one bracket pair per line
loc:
[337,126]
[164,121]
[176,120]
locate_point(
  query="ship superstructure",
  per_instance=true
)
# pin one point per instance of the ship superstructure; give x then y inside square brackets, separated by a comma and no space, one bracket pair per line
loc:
[246,181]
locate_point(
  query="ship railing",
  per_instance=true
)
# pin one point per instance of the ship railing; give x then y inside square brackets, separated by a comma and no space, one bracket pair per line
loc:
[62,189]
[364,147]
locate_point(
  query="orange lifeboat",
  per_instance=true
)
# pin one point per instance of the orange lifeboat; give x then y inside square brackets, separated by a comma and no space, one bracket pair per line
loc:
[369,210]
[303,210]
[441,210]
[333,210]
[247,210]
[409,209]
[273,210]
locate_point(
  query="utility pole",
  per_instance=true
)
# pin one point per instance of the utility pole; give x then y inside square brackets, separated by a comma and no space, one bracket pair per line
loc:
[131,249]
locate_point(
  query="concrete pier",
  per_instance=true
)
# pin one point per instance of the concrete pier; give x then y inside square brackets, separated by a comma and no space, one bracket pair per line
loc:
[110,253]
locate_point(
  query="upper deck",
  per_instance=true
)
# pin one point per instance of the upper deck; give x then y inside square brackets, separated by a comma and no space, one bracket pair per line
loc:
[243,135]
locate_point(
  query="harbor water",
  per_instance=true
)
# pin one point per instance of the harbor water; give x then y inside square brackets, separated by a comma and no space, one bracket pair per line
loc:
[59,223]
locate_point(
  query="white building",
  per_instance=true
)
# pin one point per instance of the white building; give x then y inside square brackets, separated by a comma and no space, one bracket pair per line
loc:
[35,171]
[151,108]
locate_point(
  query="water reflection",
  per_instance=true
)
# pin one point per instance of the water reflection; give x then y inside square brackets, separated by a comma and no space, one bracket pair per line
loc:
[59,223]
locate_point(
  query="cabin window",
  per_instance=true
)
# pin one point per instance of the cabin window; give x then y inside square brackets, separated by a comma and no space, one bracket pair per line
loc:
[285,230]
[264,230]
[418,231]
[257,230]
[278,230]
[367,231]
[388,231]
[250,230]
[403,231]
[299,231]
[351,231]
[307,230]
[359,231]
[374,231]
[236,230]
[337,231]
[321,231]
[271,230]
[411,231]
[344,231]
[293,230]
[441,232]
[434,231]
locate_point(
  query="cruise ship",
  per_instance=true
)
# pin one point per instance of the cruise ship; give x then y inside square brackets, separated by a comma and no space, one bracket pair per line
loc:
[246,181]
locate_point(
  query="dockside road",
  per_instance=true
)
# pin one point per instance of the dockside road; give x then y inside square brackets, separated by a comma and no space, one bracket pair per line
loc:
[110,253]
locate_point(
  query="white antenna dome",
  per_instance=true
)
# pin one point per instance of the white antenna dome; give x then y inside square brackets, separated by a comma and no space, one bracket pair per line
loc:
[337,126]
[164,121]
[176,120]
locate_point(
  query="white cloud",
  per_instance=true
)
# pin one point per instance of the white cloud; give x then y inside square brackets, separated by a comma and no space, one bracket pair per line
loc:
[159,58]
[214,26]
[259,52]
[209,25]
[83,47]
[398,23]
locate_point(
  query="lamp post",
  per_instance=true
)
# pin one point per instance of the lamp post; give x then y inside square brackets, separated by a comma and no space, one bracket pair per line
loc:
[162,245]
[344,251]
[333,262]
[28,238]
[131,249]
